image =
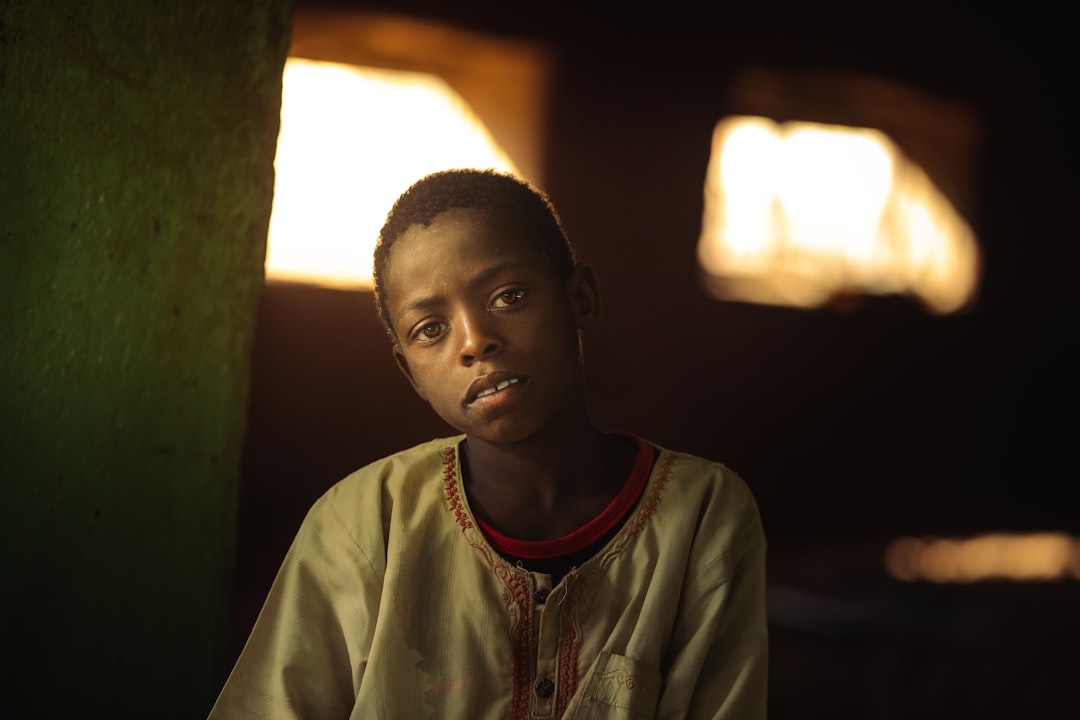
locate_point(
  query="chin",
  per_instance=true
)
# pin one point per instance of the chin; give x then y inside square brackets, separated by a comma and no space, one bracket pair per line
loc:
[502,433]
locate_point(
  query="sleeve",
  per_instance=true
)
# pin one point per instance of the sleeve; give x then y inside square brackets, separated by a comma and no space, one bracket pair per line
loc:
[307,652]
[718,666]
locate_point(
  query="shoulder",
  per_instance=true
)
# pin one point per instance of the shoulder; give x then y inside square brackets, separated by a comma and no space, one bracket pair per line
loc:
[714,495]
[714,480]
[422,459]
[383,488]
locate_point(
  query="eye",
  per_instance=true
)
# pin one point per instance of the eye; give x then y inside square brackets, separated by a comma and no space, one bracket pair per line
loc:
[506,298]
[429,332]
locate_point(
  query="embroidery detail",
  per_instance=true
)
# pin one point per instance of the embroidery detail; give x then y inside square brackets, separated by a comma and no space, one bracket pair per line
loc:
[649,505]
[626,679]
[516,591]
[569,647]
[450,486]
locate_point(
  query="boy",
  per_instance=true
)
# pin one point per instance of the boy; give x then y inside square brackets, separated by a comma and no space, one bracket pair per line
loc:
[534,566]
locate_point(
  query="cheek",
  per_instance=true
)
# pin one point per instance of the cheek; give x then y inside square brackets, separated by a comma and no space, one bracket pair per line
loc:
[431,384]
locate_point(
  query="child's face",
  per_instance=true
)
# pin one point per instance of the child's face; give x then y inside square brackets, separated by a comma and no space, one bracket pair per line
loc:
[475,309]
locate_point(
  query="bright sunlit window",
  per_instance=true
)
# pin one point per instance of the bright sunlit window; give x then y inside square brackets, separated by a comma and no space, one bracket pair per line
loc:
[796,213]
[1016,557]
[351,140]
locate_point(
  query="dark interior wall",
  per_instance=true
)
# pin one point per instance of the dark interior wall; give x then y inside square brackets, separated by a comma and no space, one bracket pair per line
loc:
[852,426]
[882,418]
[855,402]
[136,150]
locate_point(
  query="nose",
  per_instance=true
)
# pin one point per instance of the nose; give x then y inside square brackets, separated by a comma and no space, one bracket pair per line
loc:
[478,339]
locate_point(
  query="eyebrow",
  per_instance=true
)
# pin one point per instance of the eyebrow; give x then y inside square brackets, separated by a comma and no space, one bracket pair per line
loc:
[485,275]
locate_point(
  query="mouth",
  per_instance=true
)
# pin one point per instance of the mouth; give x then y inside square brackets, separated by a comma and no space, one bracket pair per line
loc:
[490,385]
[501,386]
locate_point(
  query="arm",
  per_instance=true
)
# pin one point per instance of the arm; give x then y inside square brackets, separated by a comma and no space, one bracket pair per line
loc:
[719,650]
[307,652]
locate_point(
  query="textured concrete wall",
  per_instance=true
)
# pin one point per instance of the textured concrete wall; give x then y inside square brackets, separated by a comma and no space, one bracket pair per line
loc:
[136,176]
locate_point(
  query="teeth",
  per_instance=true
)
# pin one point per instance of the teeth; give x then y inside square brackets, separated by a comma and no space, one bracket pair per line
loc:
[501,386]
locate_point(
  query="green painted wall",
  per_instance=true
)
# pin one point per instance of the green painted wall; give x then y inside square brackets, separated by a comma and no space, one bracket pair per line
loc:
[136,176]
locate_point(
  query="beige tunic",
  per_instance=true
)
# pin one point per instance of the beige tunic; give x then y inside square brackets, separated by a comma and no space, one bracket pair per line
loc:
[391,604]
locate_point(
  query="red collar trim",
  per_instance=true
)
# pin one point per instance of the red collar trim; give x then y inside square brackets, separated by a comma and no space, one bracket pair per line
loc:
[616,511]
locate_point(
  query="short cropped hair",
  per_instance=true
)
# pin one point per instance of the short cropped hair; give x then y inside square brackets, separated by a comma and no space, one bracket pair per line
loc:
[484,190]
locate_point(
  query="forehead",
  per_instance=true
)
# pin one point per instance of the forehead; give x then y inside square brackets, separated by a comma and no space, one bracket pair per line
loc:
[462,237]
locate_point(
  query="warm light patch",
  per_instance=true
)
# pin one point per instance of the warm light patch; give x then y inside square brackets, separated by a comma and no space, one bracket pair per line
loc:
[796,213]
[1004,556]
[351,140]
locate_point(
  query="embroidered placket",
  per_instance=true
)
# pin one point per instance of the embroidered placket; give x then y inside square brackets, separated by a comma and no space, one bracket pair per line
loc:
[546,679]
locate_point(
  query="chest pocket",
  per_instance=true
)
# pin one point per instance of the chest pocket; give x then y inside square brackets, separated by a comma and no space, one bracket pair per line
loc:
[617,687]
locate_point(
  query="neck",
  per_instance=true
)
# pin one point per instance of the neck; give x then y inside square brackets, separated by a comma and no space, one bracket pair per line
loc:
[547,461]
[546,487]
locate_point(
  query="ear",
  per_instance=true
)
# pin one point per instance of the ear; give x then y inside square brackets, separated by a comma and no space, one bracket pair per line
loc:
[584,294]
[403,366]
